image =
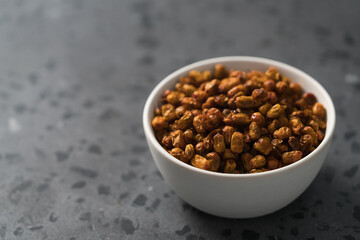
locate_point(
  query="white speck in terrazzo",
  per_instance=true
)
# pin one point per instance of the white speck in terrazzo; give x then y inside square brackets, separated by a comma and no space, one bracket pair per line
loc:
[14,125]
[352,79]
[150,188]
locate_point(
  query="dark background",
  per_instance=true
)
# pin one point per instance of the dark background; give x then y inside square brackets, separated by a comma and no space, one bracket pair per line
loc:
[74,79]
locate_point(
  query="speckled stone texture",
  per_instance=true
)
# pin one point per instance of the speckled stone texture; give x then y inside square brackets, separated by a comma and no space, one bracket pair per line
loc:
[74,163]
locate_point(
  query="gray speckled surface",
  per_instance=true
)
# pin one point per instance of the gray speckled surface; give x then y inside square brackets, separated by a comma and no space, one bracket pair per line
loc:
[74,163]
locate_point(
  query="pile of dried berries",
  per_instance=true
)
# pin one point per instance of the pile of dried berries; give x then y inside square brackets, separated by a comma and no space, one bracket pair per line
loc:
[238,122]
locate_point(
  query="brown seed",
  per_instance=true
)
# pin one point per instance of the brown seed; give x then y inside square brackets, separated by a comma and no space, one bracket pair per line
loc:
[309,130]
[167,141]
[189,152]
[196,75]
[281,87]
[319,110]
[273,73]
[189,103]
[165,94]
[179,154]
[291,157]
[159,123]
[208,143]
[186,121]
[228,154]
[227,83]
[283,121]
[273,126]
[199,96]
[296,125]
[175,97]
[221,100]
[258,118]
[199,123]
[272,162]
[295,89]
[200,148]
[269,85]
[187,89]
[209,103]
[237,119]
[240,119]
[187,80]
[309,98]
[259,94]
[237,142]
[320,135]
[294,143]
[255,74]
[263,145]
[257,162]
[254,131]
[168,111]
[251,85]
[219,143]
[230,166]
[188,136]
[157,111]
[245,102]
[214,159]
[196,112]
[239,88]
[212,87]
[215,118]
[220,71]
[200,162]
[314,125]
[236,73]
[282,133]
[275,111]
[179,111]
[227,132]
[271,97]
[285,79]
[306,142]
[265,108]
[206,75]
[245,158]
[178,139]
[300,104]
[203,163]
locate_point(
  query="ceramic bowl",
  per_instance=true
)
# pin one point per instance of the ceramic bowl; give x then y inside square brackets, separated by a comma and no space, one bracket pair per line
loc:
[239,195]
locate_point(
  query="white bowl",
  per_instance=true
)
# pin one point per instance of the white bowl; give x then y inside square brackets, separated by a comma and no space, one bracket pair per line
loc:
[239,195]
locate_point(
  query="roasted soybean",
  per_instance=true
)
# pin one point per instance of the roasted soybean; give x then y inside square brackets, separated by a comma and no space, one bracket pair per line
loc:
[235,122]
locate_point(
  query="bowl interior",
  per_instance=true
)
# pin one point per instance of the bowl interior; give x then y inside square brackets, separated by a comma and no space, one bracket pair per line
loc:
[246,64]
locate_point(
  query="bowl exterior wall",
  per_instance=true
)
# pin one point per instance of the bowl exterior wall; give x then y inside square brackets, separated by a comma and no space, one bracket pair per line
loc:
[238,198]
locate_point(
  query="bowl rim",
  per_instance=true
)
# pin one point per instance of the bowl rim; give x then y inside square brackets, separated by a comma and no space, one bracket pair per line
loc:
[330,121]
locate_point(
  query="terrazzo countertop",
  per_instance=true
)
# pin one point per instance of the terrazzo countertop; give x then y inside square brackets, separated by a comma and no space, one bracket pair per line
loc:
[74,163]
